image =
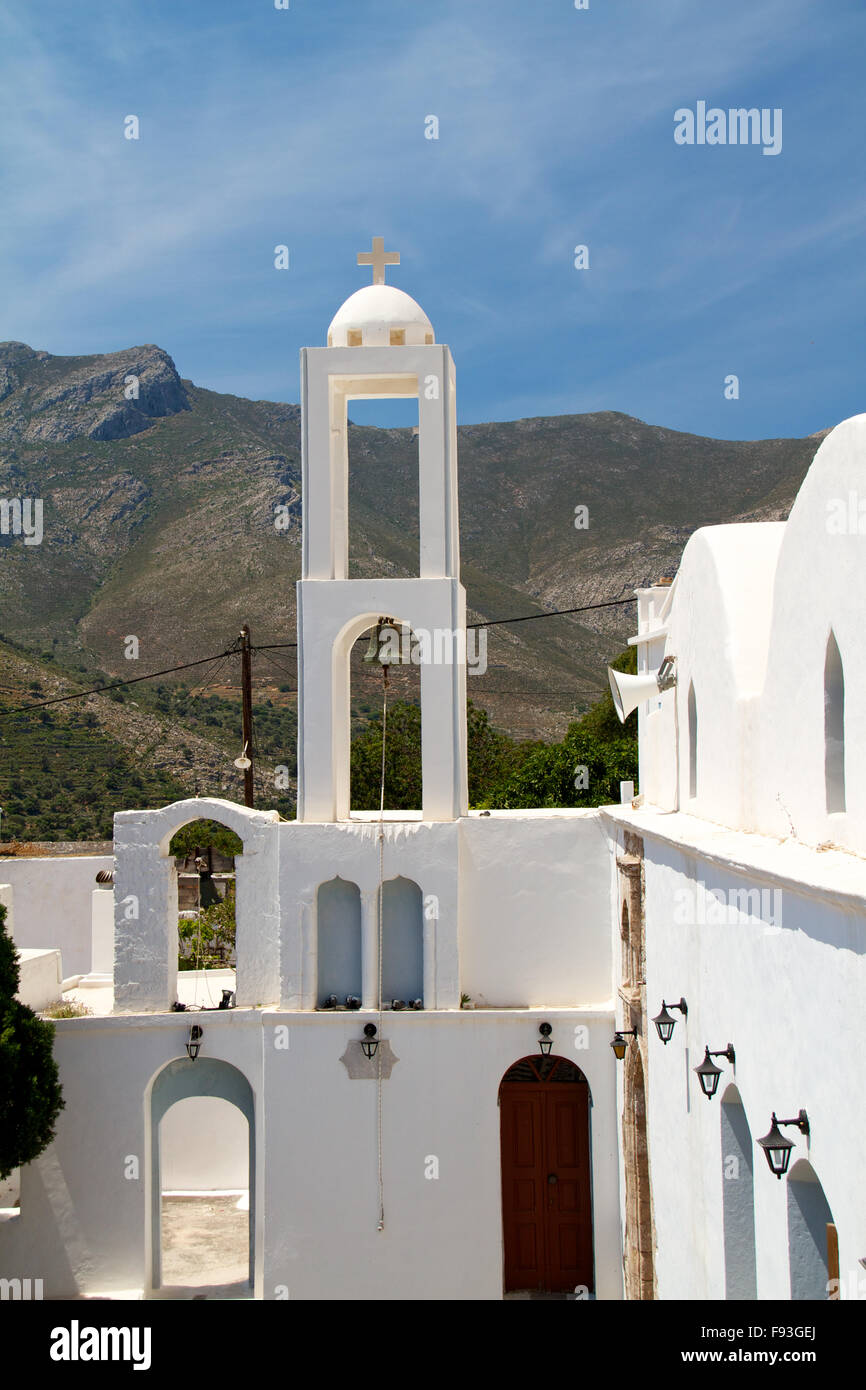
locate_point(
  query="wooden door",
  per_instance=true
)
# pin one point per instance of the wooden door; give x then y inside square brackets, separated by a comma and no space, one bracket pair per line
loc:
[546,1191]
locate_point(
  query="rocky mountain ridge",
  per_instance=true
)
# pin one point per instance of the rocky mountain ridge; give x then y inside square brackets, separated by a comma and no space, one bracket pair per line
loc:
[159,505]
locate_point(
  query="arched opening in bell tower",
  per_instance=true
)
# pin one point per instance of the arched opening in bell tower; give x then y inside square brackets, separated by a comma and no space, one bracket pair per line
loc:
[402,723]
[384,487]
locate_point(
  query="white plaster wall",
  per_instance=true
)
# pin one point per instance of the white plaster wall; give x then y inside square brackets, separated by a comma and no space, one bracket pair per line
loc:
[819,585]
[535,909]
[204,1146]
[524,897]
[84,1225]
[102,920]
[717,627]
[311,854]
[748,622]
[53,904]
[318,1203]
[41,977]
[789,1000]
[442,1237]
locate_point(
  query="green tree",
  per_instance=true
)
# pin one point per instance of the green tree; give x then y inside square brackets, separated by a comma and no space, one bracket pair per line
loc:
[205,834]
[212,934]
[586,768]
[30,1095]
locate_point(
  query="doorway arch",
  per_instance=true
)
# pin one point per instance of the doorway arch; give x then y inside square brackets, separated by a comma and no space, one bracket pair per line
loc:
[738,1200]
[809,1215]
[546,1161]
[180,1080]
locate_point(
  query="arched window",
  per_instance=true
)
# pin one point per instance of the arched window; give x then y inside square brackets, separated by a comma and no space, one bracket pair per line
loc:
[402,941]
[693,742]
[338,934]
[834,727]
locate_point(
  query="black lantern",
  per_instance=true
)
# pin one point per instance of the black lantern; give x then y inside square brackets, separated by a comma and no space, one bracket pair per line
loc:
[619,1043]
[663,1021]
[194,1042]
[777,1147]
[369,1042]
[709,1073]
[545,1042]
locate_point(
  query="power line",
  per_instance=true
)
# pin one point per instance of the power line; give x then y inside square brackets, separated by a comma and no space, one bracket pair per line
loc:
[492,622]
[116,685]
[555,613]
[283,646]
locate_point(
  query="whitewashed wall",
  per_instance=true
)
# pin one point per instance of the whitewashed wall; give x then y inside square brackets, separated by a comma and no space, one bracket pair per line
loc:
[316,1154]
[52,899]
[783,984]
[535,909]
[748,622]
[204,1146]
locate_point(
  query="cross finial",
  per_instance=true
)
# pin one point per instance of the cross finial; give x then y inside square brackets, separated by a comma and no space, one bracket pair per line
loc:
[378,258]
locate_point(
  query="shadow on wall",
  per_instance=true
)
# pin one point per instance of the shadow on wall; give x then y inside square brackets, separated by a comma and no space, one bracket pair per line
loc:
[809,1215]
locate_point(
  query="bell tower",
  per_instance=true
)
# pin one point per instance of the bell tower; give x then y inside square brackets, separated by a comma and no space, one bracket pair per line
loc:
[381,345]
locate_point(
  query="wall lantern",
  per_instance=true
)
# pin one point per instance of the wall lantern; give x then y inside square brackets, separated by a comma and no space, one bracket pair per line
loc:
[619,1043]
[777,1147]
[709,1073]
[663,1021]
[369,1042]
[194,1042]
[545,1042]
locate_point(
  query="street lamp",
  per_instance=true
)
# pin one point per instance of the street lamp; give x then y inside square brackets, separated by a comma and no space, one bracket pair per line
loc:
[776,1147]
[709,1073]
[619,1043]
[663,1021]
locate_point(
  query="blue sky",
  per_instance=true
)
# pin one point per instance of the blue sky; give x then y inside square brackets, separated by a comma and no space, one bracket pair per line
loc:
[305,127]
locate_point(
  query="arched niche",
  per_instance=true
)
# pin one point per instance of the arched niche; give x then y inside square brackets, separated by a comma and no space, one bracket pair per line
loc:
[402,940]
[738,1199]
[180,1080]
[338,940]
[809,1215]
[834,728]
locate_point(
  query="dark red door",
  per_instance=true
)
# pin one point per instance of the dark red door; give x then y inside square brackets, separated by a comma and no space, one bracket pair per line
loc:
[546,1193]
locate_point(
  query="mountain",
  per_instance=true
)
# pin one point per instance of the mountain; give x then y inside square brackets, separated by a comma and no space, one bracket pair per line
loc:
[158,516]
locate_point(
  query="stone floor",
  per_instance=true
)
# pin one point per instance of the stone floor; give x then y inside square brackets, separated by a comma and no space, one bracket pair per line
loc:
[205,1246]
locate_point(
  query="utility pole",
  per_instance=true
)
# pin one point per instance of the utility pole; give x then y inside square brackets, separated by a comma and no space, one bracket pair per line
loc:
[247,690]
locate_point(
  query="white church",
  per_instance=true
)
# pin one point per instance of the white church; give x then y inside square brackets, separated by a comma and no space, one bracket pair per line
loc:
[509,1104]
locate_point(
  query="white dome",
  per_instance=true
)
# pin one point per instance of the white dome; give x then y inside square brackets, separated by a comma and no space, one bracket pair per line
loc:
[380,316]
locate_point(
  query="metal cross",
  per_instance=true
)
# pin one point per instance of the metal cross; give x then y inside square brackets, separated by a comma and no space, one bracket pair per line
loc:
[378,258]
